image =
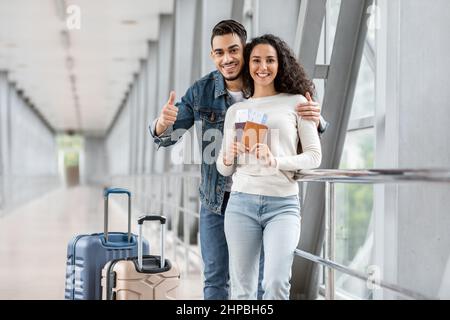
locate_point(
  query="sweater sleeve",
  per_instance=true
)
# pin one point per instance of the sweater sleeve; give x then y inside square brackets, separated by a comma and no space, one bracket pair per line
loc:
[312,152]
[228,138]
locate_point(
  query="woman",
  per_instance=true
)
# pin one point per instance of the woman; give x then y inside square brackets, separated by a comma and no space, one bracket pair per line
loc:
[264,207]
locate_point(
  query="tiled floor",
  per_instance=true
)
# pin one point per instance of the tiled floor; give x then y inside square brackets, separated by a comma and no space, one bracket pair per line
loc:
[34,237]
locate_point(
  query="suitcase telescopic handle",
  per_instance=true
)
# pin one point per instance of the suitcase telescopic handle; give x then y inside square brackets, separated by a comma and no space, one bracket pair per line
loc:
[152,217]
[106,194]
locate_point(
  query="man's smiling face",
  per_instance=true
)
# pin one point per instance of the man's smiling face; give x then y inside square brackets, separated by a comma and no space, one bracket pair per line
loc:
[228,55]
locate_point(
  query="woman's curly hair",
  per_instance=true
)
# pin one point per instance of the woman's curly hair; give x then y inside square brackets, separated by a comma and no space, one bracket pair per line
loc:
[290,78]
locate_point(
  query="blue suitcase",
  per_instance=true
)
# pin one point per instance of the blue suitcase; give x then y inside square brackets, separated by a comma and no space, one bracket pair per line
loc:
[87,254]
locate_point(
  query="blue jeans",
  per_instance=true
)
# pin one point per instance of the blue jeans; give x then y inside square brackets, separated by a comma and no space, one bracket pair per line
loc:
[214,250]
[252,221]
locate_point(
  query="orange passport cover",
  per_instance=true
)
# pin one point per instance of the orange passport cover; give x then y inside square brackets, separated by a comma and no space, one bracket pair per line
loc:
[253,133]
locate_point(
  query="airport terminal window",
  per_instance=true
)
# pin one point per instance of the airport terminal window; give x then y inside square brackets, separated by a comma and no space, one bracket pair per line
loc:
[354,202]
[364,100]
[331,19]
[328,32]
[320,89]
[326,43]
[69,150]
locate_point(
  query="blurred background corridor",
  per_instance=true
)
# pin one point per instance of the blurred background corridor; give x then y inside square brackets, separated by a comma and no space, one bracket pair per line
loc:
[81,81]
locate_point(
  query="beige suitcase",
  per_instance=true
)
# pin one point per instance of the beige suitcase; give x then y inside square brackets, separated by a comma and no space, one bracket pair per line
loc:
[141,277]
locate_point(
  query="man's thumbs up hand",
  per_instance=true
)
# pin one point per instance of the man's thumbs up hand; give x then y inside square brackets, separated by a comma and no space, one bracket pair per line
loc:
[168,115]
[171,98]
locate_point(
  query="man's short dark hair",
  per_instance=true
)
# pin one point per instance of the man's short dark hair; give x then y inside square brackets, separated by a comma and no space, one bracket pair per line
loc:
[229,27]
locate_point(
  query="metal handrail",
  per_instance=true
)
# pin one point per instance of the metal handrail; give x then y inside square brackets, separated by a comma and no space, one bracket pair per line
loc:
[330,177]
[360,275]
[371,176]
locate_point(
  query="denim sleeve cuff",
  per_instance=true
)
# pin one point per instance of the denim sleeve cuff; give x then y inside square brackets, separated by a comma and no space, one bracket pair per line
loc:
[323,125]
[163,137]
[166,133]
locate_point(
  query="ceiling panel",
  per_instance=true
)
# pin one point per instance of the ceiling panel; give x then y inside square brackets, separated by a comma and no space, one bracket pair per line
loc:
[55,66]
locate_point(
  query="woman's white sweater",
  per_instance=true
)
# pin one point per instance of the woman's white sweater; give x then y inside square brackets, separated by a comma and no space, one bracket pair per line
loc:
[251,175]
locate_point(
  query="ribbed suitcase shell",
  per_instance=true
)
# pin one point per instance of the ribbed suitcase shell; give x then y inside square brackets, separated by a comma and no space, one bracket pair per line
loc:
[142,277]
[87,255]
[121,280]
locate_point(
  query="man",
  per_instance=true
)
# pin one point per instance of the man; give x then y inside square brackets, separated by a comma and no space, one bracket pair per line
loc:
[205,103]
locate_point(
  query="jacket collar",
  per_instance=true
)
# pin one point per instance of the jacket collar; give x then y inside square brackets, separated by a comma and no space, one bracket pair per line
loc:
[219,83]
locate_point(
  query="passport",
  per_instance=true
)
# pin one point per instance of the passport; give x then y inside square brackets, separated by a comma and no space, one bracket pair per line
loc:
[254,133]
[239,126]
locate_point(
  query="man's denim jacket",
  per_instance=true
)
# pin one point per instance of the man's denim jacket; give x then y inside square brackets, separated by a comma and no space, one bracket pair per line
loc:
[205,103]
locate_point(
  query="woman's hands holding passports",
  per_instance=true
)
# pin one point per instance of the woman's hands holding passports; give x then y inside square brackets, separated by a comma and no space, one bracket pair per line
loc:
[262,151]
[236,148]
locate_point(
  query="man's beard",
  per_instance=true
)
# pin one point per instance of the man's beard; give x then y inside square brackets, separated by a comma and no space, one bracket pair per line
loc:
[233,78]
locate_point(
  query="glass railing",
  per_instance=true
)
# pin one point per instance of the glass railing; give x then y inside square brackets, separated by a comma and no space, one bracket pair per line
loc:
[373,176]
[175,195]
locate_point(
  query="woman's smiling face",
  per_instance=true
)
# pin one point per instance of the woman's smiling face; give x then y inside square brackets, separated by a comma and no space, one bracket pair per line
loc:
[263,64]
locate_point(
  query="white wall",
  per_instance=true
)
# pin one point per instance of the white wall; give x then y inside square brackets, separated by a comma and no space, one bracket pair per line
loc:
[412,239]
[118,145]
[93,164]
[28,150]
